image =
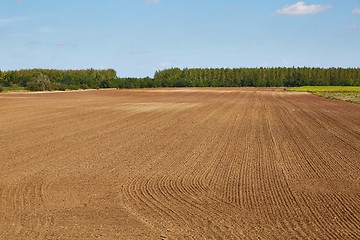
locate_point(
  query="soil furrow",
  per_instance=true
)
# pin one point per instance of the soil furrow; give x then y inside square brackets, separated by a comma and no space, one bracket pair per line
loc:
[230,163]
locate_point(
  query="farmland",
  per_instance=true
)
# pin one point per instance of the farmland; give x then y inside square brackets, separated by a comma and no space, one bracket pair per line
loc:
[343,93]
[217,163]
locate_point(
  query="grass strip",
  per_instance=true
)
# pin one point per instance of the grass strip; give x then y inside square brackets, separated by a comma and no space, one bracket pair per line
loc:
[343,93]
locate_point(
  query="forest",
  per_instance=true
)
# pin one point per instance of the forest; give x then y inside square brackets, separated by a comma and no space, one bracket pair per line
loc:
[258,77]
[50,79]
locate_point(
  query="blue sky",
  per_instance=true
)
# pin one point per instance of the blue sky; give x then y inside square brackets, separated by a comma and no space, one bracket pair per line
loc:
[138,37]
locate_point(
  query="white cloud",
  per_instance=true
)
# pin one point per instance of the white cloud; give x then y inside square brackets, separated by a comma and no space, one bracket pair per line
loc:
[153,1]
[356,11]
[301,8]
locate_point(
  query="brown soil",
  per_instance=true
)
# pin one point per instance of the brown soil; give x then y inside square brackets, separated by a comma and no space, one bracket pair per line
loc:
[183,163]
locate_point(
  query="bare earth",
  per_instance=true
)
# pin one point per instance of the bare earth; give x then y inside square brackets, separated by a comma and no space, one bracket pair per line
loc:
[179,163]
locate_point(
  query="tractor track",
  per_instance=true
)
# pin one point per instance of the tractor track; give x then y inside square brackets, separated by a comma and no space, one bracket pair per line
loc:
[230,163]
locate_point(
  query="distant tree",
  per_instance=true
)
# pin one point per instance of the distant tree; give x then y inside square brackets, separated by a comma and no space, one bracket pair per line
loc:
[2,78]
[50,79]
[105,84]
[39,83]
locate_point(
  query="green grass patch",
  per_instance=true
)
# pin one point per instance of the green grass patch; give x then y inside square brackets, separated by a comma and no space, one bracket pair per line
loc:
[14,89]
[342,93]
[325,89]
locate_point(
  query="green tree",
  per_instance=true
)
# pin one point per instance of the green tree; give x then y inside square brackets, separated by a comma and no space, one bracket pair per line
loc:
[105,83]
[39,83]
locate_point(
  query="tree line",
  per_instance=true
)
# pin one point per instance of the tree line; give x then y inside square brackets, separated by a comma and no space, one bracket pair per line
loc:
[49,79]
[246,77]
[258,77]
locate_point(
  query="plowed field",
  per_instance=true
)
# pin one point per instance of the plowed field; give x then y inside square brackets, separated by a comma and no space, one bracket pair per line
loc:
[179,163]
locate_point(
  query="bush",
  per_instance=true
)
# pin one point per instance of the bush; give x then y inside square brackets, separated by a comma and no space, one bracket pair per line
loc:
[84,86]
[32,86]
[1,89]
[72,87]
[105,84]
[39,83]
[58,86]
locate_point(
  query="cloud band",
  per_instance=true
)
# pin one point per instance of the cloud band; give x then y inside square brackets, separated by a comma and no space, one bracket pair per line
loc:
[301,8]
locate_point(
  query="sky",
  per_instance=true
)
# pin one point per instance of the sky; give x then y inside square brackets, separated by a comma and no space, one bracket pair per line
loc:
[139,37]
